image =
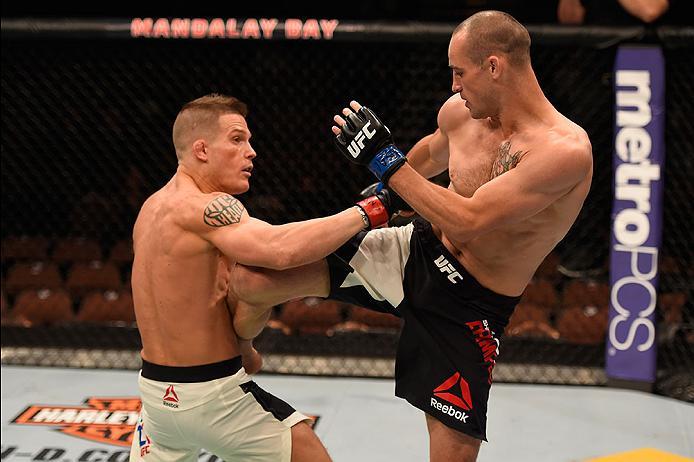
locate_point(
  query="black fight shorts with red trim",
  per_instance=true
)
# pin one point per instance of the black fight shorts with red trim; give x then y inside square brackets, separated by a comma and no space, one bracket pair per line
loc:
[452,324]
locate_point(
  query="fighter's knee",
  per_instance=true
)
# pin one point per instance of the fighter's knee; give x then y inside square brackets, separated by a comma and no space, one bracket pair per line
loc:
[306,447]
[447,444]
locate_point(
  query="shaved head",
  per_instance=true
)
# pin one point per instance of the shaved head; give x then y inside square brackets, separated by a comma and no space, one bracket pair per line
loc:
[200,118]
[490,33]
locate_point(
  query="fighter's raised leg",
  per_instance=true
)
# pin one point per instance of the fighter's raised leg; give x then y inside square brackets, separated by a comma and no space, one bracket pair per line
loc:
[254,291]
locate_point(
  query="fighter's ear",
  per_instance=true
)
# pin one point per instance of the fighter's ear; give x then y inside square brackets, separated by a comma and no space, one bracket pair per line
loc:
[494,64]
[200,150]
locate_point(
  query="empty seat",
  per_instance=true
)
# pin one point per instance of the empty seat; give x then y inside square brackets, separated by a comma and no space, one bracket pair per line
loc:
[35,275]
[106,307]
[530,320]
[671,305]
[668,265]
[300,317]
[4,304]
[4,308]
[528,312]
[373,319]
[127,280]
[94,275]
[541,292]
[122,253]
[585,292]
[583,324]
[43,307]
[548,269]
[74,249]
[18,248]
[533,329]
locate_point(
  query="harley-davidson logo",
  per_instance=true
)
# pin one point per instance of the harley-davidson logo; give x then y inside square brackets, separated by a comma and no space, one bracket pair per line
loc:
[106,420]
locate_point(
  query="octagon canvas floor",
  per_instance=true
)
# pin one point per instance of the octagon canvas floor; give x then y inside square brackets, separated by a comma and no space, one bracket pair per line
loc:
[361,420]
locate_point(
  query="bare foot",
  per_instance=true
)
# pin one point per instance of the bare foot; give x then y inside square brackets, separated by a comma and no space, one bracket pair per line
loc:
[250,358]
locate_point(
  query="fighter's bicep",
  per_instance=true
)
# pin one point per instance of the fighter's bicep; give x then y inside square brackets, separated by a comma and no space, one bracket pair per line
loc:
[224,222]
[250,242]
[439,150]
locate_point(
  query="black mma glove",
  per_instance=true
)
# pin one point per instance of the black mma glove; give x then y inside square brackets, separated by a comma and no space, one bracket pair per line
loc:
[366,141]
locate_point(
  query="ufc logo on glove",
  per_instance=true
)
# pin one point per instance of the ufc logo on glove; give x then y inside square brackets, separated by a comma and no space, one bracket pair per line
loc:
[357,143]
[365,140]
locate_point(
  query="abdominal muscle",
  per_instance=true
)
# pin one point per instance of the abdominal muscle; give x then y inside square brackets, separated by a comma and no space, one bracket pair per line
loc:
[502,260]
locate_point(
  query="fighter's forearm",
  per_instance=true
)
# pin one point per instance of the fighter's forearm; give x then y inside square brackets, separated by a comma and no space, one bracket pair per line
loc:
[301,243]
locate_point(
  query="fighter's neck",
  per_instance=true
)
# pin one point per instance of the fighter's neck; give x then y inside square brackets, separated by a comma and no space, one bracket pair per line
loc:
[527,108]
[188,175]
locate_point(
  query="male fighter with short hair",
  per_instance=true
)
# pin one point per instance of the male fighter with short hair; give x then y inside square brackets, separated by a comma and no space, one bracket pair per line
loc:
[519,174]
[187,238]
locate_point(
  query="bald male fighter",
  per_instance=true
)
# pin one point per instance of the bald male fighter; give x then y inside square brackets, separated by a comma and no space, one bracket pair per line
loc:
[519,174]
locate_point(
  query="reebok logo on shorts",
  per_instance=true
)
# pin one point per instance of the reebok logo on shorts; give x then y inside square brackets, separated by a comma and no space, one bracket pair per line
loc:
[456,391]
[445,267]
[170,397]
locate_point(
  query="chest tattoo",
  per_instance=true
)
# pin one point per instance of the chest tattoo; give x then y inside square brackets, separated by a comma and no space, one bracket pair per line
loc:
[506,160]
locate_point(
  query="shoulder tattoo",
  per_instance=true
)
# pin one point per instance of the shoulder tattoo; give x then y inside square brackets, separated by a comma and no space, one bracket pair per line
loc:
[506,160]
[222,211]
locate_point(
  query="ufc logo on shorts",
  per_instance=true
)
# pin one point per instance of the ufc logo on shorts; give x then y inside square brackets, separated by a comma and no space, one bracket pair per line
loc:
[445,267]
[357,143]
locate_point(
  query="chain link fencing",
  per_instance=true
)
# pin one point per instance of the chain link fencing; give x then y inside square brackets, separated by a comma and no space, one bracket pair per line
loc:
[86,137]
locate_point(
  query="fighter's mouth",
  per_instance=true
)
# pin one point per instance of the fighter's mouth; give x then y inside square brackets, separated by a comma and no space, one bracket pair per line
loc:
[248,169]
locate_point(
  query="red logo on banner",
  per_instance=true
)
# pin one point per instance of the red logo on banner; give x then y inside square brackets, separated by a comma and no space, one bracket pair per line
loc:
[106,420]
[448,391]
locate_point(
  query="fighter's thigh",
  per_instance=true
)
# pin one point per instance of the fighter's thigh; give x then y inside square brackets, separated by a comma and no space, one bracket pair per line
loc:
[448,445]
[262,286]
[145,447]
[306,447]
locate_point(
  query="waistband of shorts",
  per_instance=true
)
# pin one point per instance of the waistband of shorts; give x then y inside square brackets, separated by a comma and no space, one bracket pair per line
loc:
[191,374]
[469,284]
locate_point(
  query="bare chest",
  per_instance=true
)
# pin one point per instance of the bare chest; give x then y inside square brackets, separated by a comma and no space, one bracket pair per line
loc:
[476,158]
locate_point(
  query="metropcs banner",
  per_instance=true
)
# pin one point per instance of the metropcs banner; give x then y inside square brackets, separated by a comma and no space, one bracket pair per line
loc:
[639,160]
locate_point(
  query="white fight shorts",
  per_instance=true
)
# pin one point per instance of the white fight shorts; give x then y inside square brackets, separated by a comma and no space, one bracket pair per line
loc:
[216,407]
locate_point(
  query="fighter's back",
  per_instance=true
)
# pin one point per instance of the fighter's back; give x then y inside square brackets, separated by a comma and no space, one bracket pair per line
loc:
[179,283]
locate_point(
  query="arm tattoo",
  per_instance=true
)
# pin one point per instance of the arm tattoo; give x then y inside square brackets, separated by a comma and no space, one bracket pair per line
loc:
[222,211]
[505,161]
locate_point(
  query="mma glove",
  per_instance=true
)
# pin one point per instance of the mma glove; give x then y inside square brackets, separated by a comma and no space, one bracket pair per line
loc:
[396,203]
[366,141]
[381,205]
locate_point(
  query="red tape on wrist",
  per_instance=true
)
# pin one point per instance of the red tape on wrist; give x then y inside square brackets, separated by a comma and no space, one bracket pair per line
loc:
[375,210]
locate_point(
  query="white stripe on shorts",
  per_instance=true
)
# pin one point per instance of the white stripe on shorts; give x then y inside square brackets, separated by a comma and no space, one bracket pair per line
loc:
[379,263]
